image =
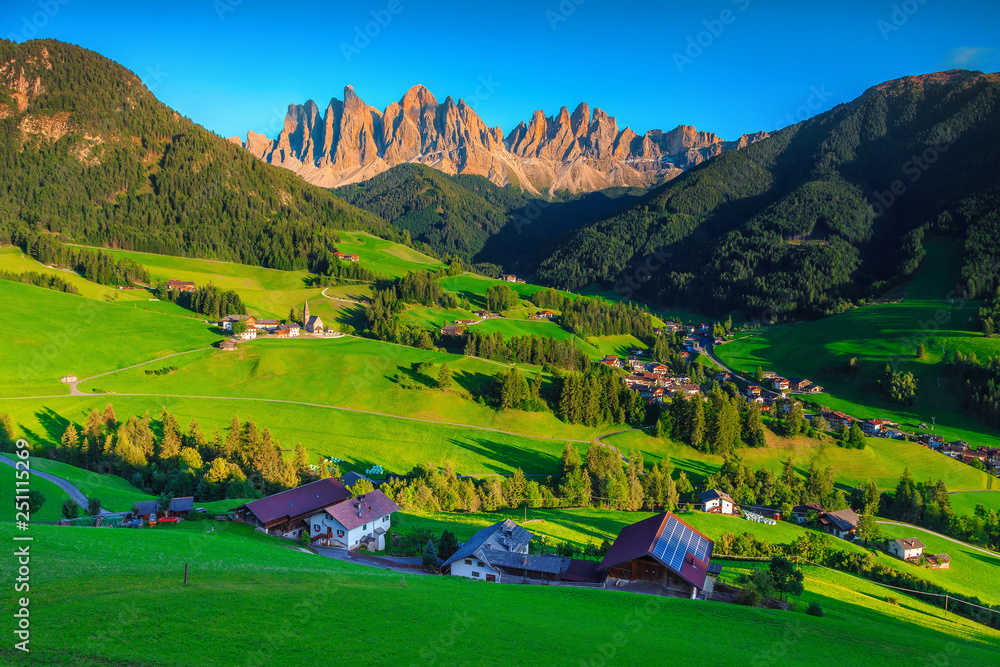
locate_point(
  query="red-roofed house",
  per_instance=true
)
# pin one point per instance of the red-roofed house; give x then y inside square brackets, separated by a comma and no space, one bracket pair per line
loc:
[348,525]
[664,550]
[285,514]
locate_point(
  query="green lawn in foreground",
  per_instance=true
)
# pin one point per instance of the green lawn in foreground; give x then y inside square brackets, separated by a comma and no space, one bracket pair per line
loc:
[115,494]
[876,335]
[73,335]
[54,496]
[243,583]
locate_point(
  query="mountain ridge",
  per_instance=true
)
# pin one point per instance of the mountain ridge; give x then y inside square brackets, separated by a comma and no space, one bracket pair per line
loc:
[351,142]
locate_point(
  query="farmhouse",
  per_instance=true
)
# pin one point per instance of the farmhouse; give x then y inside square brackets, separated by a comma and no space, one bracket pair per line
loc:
[227,322]
[146,510]
[291,330]
[180,285]
[285,514]
[660,369]
[873,426]
[780,384]
[938,561]
[451,330]
[466,321]
[485,314]
[663,550]
[543,315]
[509,277]
[471,558]
[717,502]
[359,521]
[227,345]
[347,257]
[841,523]
[611,360]
[181,506]
[801,512]
[799,384]
[907,548]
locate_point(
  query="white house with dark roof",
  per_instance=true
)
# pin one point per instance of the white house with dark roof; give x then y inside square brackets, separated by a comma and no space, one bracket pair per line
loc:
[359,521]
[717,502]
[907,548]
[472,560]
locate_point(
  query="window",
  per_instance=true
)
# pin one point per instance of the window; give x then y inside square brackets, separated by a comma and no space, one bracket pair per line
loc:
[364,527]
[316,527]
[468,562]
[480,563]
[475,575]
[340,533]
[385,518]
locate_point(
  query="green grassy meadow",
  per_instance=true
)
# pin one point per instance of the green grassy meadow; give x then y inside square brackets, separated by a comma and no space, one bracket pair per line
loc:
[876,335]
[115,493]
[282,593]
[965,503]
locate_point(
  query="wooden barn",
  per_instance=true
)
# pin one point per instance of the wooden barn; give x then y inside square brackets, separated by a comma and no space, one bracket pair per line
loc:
[663,550]
[285,514]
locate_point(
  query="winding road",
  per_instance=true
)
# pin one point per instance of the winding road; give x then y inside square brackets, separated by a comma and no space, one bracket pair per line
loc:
[74,493]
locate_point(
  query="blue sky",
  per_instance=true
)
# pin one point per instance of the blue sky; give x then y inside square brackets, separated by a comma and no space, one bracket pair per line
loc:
[726,66]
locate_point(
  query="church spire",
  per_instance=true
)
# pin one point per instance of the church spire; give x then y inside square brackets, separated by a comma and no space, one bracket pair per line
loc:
[305,314]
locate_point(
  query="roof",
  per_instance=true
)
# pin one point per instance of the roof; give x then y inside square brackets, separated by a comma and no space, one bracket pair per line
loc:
[362,510]
[300,500]
[532,562]
[315,319]
[351,478]
[680,548]
[910,543]
[504,535]
[145,507]
[844,519]
[716,494]
[583,571]
[183,504]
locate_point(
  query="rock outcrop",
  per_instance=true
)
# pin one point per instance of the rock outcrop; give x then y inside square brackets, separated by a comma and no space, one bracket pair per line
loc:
[580,151]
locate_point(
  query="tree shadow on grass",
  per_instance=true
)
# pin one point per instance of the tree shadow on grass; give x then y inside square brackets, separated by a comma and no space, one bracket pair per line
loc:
[53,424]
[529,461]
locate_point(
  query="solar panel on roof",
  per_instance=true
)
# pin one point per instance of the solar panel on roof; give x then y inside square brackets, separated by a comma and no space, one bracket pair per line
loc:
[676,542]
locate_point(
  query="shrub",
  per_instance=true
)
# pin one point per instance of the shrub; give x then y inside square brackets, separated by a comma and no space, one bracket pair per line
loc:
[815,610]
[94,506]
[892,600]
[70,510]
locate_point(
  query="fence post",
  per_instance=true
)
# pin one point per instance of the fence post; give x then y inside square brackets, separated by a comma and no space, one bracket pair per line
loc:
[185,574]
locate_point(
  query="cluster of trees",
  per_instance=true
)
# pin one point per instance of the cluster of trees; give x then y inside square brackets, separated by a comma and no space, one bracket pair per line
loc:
[601,479]
[161,457]
[177,189]
[719,425]
[597,317]
[206,300]
[784,491]
[500,298]
[94,265]
[383,323]
[899,386]
[980,386]
[512,391]
[39,279]
[539,350]
[331,270]
[598,396]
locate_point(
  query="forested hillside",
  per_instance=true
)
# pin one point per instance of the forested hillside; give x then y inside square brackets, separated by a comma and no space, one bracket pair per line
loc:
[88,152]
[472,218]
[820,215]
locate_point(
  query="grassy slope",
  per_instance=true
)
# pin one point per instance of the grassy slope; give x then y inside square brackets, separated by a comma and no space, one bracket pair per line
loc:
[972,572]
[875,335]
[54,496]
[69,334]
[115,493]
[965,503]
[280,596]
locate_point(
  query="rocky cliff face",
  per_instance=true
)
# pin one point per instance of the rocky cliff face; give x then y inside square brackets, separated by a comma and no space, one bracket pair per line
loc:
[583,151]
